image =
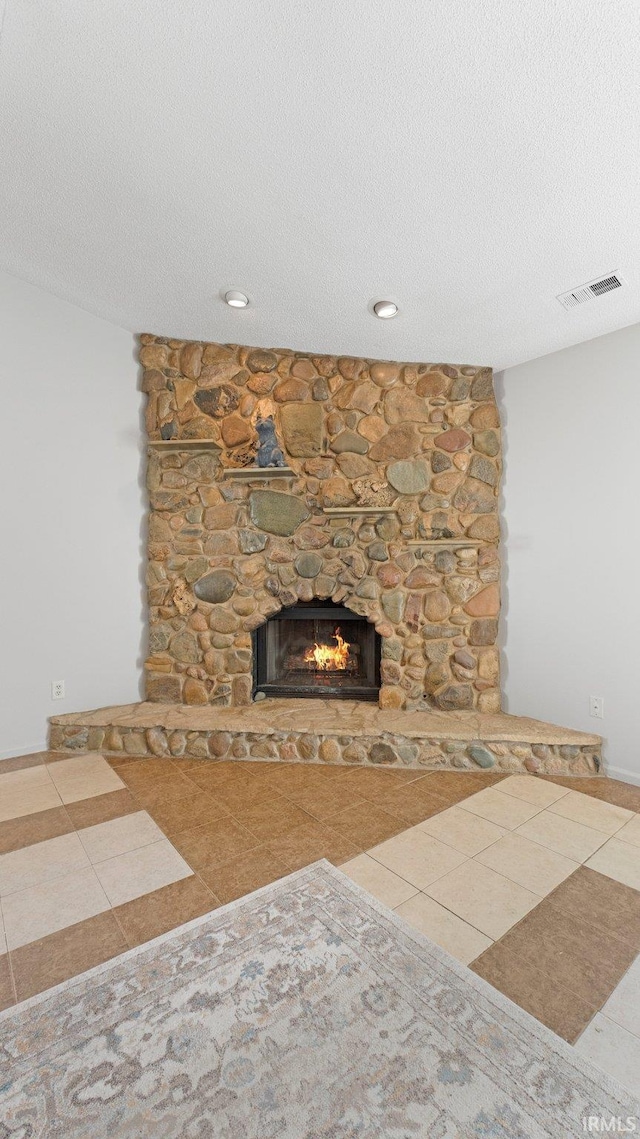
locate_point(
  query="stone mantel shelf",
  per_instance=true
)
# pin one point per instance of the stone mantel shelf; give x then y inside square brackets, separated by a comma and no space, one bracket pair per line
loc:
[259,472]
[184,444]
[451,543]
[356,511]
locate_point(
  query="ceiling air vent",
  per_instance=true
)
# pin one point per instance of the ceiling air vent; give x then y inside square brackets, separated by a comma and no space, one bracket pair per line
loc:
[589,291]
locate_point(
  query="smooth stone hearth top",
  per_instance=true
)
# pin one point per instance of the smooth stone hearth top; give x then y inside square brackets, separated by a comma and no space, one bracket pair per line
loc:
[331,717]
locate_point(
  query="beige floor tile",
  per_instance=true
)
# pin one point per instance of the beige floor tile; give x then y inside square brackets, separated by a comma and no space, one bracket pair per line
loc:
[612,1049]
[459,938]
[3,939]
[86,786]
[528,863]
[623,1005]
[386,886]
[604,817]
[464,831]
[417,857]
[25,777]
[35,912]
[504,810]
[117,836]
[83,776]
[532,790]
[562,835]
[19,801]
[25,791]
[631,831]
[138,872]
[619,860]
[42,862]
[76,765]
[486,900]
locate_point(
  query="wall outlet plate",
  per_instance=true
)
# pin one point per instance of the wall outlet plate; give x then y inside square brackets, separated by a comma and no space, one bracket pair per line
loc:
[596,707]
[57,689]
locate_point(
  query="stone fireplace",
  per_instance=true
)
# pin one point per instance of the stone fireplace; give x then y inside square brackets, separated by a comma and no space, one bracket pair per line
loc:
[322,526]
[378,497]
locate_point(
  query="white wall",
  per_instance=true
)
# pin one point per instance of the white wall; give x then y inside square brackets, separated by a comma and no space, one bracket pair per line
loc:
[571,517]
[71,513]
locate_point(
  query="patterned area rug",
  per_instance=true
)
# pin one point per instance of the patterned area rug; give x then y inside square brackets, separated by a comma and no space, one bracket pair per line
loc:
[303,1011]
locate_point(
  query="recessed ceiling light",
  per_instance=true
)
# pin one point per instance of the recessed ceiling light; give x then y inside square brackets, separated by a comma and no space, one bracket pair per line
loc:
[385,309]
[236,299]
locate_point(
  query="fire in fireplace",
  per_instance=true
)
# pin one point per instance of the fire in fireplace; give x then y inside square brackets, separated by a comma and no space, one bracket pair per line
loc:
[317,648]
[329,658]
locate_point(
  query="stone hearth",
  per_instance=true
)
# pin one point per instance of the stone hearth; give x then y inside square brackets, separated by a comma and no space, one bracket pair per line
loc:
[332,731]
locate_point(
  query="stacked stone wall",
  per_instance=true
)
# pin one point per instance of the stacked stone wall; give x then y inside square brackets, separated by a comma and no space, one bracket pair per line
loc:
[410,453]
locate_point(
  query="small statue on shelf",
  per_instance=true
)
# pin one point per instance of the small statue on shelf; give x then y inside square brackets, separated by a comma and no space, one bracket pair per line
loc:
[269,453]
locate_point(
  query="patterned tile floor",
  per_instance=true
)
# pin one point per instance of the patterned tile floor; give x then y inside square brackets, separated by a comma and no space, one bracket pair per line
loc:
[534,883]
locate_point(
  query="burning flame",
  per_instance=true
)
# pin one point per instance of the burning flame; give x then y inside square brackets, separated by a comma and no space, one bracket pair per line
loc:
[328,658]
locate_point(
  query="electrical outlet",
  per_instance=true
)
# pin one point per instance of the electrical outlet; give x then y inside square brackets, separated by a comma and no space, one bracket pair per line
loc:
[596,707]
[57,689]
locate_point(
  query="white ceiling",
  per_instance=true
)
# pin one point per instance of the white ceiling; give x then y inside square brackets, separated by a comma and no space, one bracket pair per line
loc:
[469,160]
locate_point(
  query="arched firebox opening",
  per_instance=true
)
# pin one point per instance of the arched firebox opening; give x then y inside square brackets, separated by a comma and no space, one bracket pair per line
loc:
[314,649]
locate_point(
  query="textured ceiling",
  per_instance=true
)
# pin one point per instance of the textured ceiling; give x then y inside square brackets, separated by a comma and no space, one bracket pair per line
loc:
[468,160]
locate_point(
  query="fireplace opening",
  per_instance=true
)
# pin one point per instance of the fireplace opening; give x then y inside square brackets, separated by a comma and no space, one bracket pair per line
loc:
[317,648]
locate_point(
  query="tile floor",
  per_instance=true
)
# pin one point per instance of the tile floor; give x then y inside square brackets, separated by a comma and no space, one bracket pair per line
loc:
[534,883]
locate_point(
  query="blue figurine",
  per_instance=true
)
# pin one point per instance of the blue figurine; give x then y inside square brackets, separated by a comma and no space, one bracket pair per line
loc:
[269,453]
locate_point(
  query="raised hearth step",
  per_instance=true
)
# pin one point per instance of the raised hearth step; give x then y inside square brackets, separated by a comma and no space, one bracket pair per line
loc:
[333,731]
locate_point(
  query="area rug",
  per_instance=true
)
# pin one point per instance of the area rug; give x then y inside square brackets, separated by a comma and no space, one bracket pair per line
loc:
[304,1011]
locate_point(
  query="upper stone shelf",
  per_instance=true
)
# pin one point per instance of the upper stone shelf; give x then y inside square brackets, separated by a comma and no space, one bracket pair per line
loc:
[258,472]
[184,444]
[452,543]
[355,511]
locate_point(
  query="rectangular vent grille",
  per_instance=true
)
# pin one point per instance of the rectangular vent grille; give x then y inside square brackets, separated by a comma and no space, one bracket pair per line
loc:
[590,290]
[605,285]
